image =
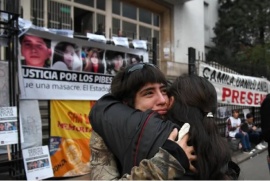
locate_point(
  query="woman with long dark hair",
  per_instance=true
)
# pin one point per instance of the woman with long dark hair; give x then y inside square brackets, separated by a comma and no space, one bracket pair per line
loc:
[65,57]
[195,103]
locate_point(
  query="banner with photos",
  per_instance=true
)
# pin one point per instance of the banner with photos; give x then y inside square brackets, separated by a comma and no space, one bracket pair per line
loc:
[70,137]
[236,89]
[55,67]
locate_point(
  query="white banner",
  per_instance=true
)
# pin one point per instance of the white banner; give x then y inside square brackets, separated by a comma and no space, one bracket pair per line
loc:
[121,41]
[235,89]
[53,67]
[45,84]
[4,89]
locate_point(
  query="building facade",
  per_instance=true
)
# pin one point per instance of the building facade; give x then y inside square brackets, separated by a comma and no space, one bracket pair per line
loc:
[176,24]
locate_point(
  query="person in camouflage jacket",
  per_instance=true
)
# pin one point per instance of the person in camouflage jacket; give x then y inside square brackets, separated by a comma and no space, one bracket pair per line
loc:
[162,166]
[147,143]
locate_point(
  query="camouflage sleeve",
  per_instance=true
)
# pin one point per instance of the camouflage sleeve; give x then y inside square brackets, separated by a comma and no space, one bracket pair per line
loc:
[103,165]
[162,166]
[102,162]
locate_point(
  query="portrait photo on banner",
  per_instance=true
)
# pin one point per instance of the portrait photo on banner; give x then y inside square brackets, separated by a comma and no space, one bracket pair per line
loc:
[114,61]
[66,56]
[35,51]
[93,60]
[134,59]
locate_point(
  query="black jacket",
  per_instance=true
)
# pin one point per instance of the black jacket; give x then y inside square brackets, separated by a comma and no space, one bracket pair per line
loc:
[130,134]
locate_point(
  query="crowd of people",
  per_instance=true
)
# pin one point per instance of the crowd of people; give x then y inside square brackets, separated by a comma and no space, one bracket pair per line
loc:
[246,131]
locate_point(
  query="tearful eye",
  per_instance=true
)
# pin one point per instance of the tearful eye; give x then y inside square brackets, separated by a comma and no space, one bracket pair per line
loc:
[148,93]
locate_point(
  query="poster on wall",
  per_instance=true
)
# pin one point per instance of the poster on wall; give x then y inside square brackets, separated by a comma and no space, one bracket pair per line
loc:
[62,68]
[31,124]
[236,89]
[8,125]
[4,90]
[70,137]
[37,163]
[224,112]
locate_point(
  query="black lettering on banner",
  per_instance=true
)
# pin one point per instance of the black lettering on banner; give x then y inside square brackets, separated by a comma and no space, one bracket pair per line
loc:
[206,73]
[59,165]
[234,80]
[30,85]
[43,86]
[85,87]
[6,111]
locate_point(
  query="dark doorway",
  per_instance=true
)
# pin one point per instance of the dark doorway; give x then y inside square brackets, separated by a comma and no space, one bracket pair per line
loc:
[83,21]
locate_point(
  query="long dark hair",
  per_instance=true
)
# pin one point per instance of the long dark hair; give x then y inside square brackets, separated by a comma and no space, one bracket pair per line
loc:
[195,97]
[59,50]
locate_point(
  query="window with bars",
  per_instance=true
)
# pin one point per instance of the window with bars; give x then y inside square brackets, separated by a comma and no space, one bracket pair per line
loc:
[136,23]
[86,16]
[59,15]
[37,12]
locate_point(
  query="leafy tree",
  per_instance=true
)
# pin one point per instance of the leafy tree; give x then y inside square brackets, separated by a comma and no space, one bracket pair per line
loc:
[243,36]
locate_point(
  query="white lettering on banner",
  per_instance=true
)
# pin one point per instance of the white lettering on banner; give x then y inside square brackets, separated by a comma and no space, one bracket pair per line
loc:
[102,79]
[40,74]
[68,76]
[239,81]
[65,76]
[85,78]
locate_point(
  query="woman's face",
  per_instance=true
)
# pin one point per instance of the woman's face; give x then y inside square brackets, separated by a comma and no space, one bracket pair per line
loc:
[152,96]
[118,62]
[68,55]
[133,60]
[94,58]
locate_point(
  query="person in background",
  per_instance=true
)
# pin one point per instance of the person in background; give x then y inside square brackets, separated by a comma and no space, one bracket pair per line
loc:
[93,62]
[35,50]
[100,30]
[234,124]
[120,33]
[2,127]
[65,57]
[10,126]
[134,59]
[254,133]
[265,123]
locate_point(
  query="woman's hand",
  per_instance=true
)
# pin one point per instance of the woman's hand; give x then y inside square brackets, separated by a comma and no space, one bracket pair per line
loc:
[189,150]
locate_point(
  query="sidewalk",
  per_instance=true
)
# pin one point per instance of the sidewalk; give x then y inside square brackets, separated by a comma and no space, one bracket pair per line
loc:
[239,157]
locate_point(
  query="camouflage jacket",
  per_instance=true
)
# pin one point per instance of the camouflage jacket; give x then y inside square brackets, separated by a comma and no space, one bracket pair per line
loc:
[103,165]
